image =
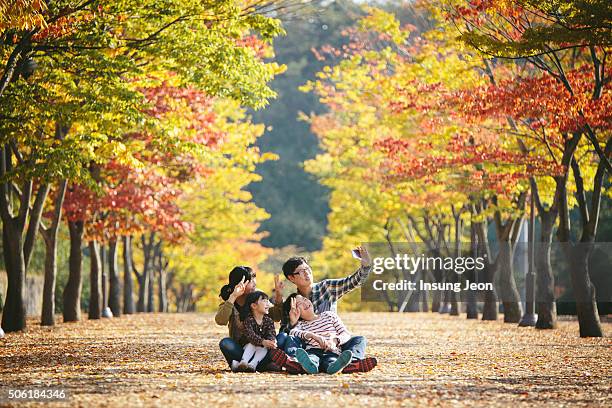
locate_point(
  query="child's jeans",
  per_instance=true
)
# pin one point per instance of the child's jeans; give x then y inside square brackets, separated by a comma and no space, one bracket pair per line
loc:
[233,351]
[322,358]
[357,344]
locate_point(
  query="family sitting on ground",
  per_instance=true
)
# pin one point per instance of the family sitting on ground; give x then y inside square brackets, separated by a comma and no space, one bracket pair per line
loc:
[312,338]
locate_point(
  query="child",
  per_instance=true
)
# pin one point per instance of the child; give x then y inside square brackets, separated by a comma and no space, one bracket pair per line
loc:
[324,334]
[258,330]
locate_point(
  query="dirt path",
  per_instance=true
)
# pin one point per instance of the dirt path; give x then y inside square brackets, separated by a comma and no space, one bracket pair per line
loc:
[172,360]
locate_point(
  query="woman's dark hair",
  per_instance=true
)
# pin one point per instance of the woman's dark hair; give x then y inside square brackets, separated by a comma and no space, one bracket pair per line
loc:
[251,298]
[235,277]
[291,264]
[287,306]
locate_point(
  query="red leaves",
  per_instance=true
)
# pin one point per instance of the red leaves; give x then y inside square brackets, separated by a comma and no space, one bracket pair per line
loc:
[200,104]
[132,200]
[64,25]
[412,160]
[78,203]
[539,101]
[424,98]
[257,45]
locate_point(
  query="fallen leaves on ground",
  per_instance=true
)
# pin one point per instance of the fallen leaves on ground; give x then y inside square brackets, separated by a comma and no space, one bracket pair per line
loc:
[424,359]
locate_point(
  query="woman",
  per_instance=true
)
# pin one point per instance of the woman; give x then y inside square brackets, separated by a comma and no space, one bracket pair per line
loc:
[241,283]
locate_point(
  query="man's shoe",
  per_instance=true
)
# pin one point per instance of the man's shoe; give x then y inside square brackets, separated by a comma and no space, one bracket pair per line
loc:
[304,359]
[360,366]
[342,361]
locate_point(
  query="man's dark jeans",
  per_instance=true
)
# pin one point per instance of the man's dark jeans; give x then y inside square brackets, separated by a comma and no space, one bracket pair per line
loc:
[356,344]
[233,351]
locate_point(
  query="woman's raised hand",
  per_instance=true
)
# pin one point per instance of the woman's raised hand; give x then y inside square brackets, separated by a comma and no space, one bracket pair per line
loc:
[278,290]
[238,290]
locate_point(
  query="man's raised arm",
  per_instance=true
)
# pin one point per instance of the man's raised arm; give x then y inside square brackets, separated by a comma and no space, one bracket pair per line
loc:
[339,287]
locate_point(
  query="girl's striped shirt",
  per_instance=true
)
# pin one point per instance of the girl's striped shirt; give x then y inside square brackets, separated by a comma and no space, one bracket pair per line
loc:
[327,325]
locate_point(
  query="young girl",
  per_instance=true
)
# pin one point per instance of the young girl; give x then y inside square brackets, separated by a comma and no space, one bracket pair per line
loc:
[329,345]
[258,331]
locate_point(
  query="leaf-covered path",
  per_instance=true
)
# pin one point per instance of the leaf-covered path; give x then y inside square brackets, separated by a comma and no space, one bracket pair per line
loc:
[424,359]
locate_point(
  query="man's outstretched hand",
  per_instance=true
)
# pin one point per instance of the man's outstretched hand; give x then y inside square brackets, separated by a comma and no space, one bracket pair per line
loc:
[366,260]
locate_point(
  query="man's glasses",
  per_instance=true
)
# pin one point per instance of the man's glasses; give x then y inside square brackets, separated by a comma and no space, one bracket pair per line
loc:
[302,271]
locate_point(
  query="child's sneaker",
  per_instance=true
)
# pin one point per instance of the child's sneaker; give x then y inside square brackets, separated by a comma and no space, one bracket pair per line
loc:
[360,366]
[304,359]
[243,366]
[235,365]
[251,368]
[342,361]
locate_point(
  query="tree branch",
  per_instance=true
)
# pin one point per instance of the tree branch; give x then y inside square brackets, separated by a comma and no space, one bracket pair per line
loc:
[5,208]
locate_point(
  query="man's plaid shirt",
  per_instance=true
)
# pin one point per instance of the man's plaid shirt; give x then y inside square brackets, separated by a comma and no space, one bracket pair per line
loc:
[326,293]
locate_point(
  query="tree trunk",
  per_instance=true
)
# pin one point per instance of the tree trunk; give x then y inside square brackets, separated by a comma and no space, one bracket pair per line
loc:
[162,290]
[578,255]
[72,291]
[489,308]
[185,299]
[128,286]
[511,299]
[143,283]
[445,306]
[95,294]
[424,301]
[545,280]
[114,293]
[145,276]
[507,235]
[454,296]
[150,290]
[584,291]
[14,313]
[413,303]
[19,233]
[436,297]
[163,296]
[48,305]
[471,305]
[50,237]
[103,280]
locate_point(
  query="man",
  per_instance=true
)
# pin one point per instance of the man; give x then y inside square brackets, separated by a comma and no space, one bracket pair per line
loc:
[324,295]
